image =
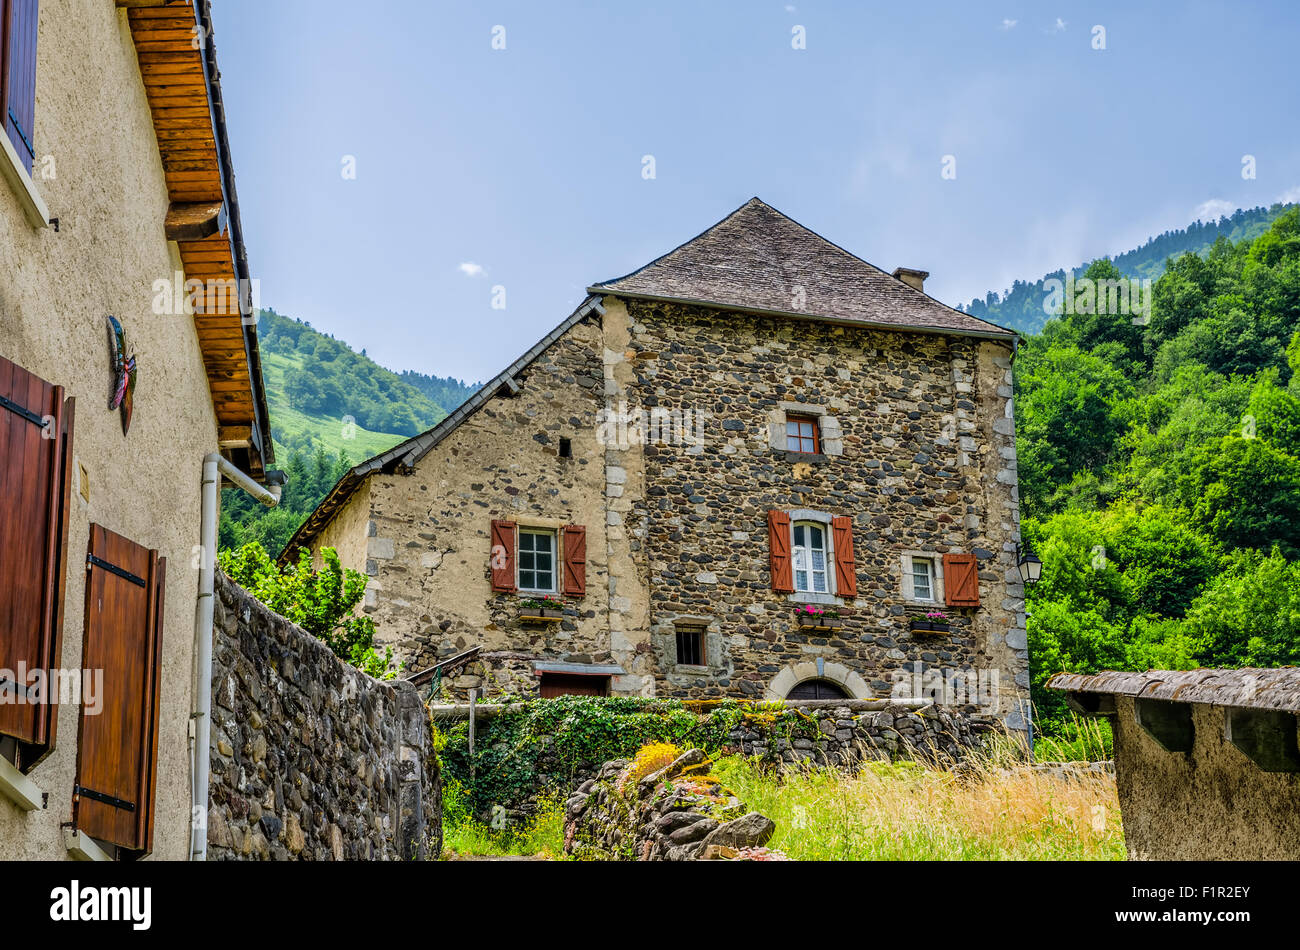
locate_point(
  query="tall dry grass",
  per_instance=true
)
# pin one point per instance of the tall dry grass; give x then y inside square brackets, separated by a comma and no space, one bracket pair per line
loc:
[996,809]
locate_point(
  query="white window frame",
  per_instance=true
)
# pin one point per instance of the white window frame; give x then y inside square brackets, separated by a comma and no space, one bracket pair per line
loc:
[822,520]
[936,577]
[828,561]
[554,535]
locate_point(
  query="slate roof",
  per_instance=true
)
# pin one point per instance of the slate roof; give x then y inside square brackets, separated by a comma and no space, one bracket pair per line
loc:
[756,259]
[1273,688]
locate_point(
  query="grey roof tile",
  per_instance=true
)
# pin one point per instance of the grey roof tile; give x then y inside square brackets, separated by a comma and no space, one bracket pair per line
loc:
[758,259]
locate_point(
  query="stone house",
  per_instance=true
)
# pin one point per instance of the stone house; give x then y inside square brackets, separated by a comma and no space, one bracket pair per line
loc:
[1207,762]
[118,200]
[755,422]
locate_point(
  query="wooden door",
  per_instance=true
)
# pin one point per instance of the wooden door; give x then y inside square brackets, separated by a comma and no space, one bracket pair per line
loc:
[817,689]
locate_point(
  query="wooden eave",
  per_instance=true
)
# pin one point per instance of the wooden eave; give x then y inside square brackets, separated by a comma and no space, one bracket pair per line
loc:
[184,96]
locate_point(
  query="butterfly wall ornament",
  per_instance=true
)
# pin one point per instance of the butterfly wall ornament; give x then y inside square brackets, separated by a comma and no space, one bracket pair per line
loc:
[123,369]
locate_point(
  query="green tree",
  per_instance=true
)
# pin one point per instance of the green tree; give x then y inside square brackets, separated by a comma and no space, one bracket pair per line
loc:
[321,602]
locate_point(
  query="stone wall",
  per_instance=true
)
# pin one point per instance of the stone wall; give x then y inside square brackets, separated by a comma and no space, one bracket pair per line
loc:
[677,813]
[920,453]
[1209,804]
[312,759]
[428,536]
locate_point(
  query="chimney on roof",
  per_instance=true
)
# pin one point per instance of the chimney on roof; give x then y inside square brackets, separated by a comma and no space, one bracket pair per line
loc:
[911,277]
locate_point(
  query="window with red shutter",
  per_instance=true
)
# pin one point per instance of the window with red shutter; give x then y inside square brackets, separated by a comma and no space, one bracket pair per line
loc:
[575,560]
[778,544]
[961,584]
[35,476]
[502,556]
[846,571]
[117,762]
[18,76]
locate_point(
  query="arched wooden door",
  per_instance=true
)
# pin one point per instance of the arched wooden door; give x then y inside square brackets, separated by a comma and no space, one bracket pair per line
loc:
[818,689]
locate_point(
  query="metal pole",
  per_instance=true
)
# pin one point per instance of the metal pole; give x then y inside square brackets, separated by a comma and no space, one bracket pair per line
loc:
[473,698]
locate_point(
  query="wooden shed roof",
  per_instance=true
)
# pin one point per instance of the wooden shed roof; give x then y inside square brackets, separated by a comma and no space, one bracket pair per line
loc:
[175,48]
[1249,687]
[759,260]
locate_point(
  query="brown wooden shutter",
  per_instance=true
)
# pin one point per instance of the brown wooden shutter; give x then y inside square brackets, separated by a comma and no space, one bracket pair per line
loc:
[35,465]
[846,571]
[20,78]
[502,556]
[117,763]
[961,582]
[575,560]
[778,545]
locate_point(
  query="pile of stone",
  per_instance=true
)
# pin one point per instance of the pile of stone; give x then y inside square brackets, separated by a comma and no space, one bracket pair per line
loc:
[678,813]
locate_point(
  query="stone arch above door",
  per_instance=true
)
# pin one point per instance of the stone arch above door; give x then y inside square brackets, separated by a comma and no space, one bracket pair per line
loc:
[796,673]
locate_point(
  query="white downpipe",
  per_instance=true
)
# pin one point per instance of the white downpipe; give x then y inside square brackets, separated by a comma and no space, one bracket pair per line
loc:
[214,467]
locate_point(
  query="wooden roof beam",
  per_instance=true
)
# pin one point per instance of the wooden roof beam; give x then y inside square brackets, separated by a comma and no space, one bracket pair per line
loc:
[195,220]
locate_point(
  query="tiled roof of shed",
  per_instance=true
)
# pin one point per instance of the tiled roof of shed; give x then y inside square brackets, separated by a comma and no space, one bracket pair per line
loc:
[1273,688]
[758,259]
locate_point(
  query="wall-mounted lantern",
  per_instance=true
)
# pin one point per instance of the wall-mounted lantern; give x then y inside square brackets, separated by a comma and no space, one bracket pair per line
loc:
[1031,568]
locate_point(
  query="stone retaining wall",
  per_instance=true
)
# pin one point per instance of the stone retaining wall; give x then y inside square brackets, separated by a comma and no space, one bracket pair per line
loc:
[311,758]
[847,737]
[829,733]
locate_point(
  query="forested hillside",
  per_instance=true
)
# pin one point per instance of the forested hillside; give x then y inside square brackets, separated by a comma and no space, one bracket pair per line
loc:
[1160,470]
[1021,307]
[322,392]
[330,407]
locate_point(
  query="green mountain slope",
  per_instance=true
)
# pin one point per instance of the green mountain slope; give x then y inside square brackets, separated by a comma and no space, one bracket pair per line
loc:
[323,394]
[1021,307]
[330,407]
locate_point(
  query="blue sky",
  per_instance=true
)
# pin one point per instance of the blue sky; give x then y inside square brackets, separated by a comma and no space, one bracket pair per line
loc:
[522,167]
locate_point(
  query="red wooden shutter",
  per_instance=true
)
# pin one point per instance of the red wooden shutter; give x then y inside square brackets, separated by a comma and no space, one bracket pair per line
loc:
[778,545]
[846,572]
[117,763]
[20,79]
[35,460]
[502,556]
[961,582]
[575,560]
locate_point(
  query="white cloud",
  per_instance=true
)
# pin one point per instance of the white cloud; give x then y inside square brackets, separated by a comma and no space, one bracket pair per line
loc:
[1213,209]
[470,269]
[789,8]
[1009,24]
[1290,195]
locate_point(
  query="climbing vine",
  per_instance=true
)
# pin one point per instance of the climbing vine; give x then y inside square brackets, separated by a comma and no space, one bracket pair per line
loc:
[545,743]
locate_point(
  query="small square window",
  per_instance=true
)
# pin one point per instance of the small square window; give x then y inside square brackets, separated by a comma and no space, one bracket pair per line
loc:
[690,647]
[537,561]
[801,434]
[922,578]
[566,449]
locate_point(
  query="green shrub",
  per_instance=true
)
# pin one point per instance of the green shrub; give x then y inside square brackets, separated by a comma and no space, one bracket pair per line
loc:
[318,601]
